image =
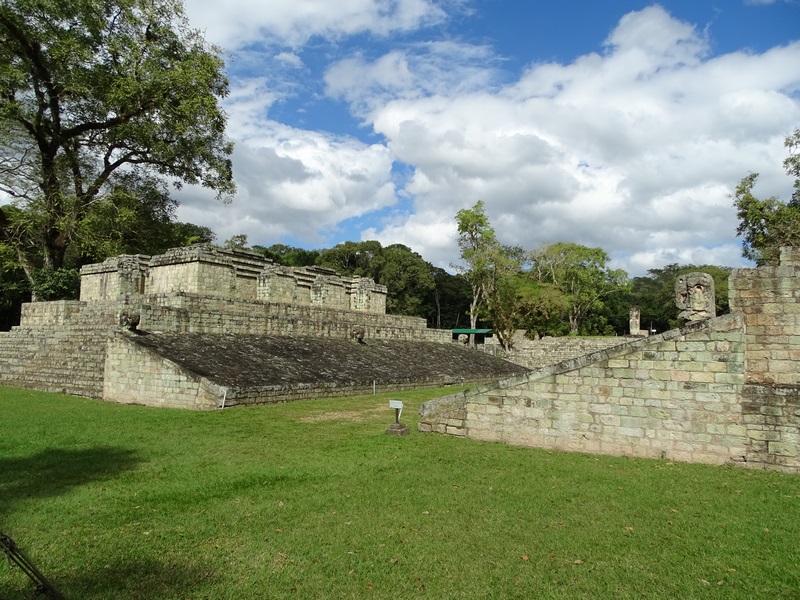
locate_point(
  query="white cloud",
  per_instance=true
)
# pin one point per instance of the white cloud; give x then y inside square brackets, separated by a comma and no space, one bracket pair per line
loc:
[295,183]
[449,68]
[294,22]
[635,150]
[289,58]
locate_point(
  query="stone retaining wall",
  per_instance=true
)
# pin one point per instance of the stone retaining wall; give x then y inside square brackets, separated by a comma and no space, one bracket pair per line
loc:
[550,350]
[671,396]
[208,314]
[725,390]
[136,375]
[60,348]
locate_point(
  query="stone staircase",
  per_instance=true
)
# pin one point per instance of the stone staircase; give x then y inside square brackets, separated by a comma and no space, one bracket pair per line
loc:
[69,358]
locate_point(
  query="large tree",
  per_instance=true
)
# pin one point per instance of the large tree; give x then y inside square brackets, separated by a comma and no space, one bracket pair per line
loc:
[581,275]
[408,277]
[766,225]
[93,92]
[477,242]
[492,271]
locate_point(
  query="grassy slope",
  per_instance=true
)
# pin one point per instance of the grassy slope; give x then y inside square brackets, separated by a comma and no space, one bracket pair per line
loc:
[313,500]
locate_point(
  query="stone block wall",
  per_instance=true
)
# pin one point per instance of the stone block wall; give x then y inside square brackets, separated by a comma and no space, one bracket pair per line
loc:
[113,277]
[771,415]
[59,347]
[237,275]
[769,299]
[674,395]
[135,375]
[534,354]
[203,269]
[190,313]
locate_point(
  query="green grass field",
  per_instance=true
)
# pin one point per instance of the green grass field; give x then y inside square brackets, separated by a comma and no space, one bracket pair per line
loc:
[312,500]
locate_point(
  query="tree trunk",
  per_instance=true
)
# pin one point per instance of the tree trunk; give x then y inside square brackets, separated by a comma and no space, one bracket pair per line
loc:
[55,249]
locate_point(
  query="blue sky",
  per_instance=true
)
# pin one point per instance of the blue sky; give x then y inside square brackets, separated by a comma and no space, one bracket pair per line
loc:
[622,125]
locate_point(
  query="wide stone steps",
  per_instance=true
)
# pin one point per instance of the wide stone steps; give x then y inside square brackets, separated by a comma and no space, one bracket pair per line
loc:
[69,360]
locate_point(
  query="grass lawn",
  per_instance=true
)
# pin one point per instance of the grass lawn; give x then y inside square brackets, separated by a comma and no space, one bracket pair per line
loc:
[312,500]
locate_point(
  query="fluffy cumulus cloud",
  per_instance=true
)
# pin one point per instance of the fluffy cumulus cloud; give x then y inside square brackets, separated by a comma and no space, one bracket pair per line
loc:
[302,186]
[634,148]
[294,22]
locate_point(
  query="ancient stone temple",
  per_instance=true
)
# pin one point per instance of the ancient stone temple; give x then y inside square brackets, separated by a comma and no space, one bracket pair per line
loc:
[203,269]
[201,327]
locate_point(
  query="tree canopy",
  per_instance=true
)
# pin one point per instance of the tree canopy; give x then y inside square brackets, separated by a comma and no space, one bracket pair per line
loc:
[95,95]
[582,279]
[407,276]
[767,224]
[477,242]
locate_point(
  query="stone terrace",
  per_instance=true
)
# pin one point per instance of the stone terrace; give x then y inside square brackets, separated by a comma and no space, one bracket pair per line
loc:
[255,369]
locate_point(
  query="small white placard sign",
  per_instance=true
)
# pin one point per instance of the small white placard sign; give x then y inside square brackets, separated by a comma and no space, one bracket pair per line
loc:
[397,405]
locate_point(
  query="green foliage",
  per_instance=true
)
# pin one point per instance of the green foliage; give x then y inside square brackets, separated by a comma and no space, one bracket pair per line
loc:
[501,290]
[655,294]
[579,279]
[56,284]
[408,278]
[766,225]
[135,217]
[352,258]
[236,242]
[14,288]
[186,234]
[88,91]
[311,499]
[451,298]
[543,309]
[289,256]
[479,248]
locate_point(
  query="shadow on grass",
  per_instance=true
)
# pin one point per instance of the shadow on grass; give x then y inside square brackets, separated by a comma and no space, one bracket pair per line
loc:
[56,471]
[134,579]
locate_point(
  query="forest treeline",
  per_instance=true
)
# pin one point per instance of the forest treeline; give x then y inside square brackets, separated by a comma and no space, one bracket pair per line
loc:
[104,105]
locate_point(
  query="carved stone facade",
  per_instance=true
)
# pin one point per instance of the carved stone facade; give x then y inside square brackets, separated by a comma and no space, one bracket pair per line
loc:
[694,296]
[203,269]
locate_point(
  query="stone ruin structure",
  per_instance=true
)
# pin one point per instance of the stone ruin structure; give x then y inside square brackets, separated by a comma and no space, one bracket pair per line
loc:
[720,390]
[237,275]
[202,328]
[205,328]
[694,297]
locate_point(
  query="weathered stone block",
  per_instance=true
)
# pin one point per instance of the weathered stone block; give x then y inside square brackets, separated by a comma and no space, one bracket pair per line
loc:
[782,449]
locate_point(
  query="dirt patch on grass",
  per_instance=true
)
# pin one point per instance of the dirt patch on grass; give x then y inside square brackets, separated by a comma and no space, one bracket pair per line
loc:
[353,416]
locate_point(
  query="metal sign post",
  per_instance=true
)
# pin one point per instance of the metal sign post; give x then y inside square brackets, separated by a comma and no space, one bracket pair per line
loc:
[397,428]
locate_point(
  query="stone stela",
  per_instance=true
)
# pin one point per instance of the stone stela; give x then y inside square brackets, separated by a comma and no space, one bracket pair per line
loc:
[694,297]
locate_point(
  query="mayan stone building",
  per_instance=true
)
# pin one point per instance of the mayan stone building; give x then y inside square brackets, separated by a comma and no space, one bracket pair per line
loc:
[200,327]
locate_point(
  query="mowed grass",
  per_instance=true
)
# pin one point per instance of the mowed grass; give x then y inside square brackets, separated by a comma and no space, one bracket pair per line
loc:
[312,500]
